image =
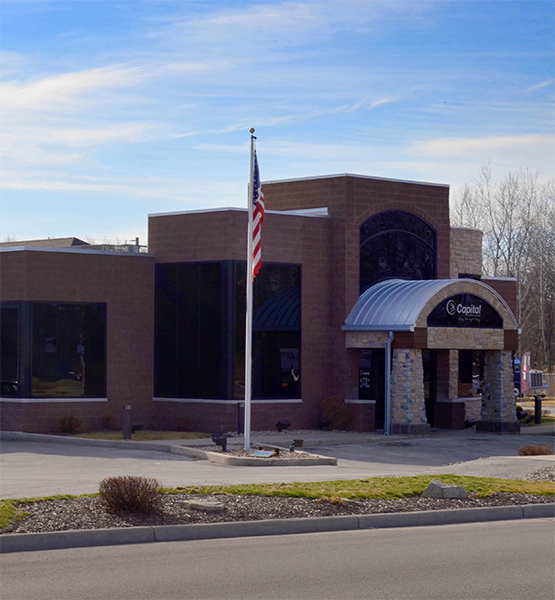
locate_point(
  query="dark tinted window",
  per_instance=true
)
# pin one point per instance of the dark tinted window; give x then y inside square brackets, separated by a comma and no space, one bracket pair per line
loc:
[9,336]
[371,380]
[396,244]
[189,333]
[68,350]
[276,331]
[200,331]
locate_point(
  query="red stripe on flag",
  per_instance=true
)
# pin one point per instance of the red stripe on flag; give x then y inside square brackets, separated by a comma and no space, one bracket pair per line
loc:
[257,220]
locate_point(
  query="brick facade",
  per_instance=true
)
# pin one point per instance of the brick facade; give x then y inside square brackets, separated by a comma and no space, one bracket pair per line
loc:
[327,248]
[125,282]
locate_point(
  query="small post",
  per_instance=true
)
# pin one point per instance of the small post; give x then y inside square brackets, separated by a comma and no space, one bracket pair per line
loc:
[127,422]
[538,410]
[240,418]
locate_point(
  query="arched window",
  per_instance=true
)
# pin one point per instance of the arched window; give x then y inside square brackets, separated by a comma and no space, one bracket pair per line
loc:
[396,244]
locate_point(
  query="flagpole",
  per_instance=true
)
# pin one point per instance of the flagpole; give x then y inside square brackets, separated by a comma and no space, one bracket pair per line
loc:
[248,324]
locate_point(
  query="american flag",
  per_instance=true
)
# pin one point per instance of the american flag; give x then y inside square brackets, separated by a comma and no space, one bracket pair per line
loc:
[257,220]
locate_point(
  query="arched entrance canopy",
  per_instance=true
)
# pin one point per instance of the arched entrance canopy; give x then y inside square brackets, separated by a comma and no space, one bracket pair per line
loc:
[400,305]
[412,322]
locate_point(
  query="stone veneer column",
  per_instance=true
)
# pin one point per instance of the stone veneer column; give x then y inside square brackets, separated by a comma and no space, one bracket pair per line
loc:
[408,410]
[453,374]
[498,399]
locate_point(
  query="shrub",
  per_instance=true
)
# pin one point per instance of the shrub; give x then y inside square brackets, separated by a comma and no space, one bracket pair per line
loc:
[534,450]
[130,494]
[68,424]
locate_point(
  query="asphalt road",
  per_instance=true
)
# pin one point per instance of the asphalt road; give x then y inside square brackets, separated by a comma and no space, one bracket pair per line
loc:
[506,560]
[29,469]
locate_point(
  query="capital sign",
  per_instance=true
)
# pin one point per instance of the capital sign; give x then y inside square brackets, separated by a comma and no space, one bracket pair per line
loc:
[465,310]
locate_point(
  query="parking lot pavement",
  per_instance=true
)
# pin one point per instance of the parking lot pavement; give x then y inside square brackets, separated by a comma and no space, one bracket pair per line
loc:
[37,468]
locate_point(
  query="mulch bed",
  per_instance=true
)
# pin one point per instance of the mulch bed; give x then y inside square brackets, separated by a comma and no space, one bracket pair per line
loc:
[89,513]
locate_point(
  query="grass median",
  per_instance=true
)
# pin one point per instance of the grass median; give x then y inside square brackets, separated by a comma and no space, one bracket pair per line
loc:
[372,487]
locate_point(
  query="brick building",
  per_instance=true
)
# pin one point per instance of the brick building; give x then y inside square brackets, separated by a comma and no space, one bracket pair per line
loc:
[366,296]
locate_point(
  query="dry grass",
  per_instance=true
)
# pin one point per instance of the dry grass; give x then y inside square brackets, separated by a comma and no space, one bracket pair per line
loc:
[144,435]
[535,450]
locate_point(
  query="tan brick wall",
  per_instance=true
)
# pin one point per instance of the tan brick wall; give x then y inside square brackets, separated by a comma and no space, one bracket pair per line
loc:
[365,339]
[453,374]
[466,252]
[407,387]
[498,399]
[465,339]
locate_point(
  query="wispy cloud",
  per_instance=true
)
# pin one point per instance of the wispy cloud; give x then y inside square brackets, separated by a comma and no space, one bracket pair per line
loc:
[540,86]
[57,145]
[154,100]
[264,28]
[58,92]
[470,146]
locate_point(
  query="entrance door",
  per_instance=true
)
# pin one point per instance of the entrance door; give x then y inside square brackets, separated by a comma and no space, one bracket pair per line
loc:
[429,365]
[371,380]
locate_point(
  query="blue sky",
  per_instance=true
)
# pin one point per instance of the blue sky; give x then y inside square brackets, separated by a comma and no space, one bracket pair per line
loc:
[111,111]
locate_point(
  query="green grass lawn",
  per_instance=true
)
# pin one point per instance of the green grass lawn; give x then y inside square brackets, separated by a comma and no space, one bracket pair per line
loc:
[377,487]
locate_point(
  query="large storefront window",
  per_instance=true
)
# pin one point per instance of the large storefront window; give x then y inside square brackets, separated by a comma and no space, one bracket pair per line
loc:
[396,244]
[276,332]
[9,349]
[200,331]
[68,350]
[189,338]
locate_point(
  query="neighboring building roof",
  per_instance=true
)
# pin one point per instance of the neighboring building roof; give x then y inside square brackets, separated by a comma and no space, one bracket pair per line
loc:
[66,242]
[396,304]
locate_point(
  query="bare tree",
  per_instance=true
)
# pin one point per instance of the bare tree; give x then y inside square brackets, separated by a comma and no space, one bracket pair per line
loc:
[517,216]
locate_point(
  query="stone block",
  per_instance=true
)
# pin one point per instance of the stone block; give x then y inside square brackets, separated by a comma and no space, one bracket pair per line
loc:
[205,505]
[438,489]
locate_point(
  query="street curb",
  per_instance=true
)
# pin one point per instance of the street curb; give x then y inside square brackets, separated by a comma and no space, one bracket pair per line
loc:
[21,436]
[182,450]
[247,461]
[32,542]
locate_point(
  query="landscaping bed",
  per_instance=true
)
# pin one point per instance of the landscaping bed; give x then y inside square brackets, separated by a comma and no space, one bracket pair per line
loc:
[282,501]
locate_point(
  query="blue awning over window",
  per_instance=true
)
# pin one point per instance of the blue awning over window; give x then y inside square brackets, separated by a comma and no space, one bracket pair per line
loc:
[281,312]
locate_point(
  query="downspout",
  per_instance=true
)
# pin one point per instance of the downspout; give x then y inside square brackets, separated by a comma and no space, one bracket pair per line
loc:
[387,416]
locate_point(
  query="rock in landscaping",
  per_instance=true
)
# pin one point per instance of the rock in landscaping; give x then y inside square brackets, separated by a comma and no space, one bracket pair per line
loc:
[205,505]
[438,489]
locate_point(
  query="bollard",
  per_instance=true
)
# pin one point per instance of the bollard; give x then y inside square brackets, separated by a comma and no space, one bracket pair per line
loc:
[127,422]
[240,418]
[537,410]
